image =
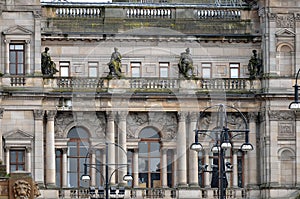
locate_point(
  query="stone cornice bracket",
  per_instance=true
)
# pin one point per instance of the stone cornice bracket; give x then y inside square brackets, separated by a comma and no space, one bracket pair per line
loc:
[38,114]
[51,114]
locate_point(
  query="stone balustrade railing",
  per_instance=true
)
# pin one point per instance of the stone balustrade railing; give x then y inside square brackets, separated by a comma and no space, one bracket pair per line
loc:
[218,14]
[167,193]
[131,84]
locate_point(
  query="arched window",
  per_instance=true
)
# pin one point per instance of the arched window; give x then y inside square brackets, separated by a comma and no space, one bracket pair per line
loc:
[287,167]
[78,147]
[285,60]
[149,158]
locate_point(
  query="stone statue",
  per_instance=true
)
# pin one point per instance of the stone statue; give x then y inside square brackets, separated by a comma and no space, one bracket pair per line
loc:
[185,64]
[254,66]
[22,189]
[115,64]
[48,66]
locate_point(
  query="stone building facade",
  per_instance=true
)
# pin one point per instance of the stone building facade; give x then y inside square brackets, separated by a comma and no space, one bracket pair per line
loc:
[241,54]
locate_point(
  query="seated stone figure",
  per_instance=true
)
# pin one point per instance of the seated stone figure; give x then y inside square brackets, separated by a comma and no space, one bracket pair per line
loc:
[115,64]
[185,64]
[48,66]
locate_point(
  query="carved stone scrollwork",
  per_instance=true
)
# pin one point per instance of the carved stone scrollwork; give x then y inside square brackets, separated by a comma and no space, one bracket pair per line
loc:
[272,16]
[165,123]
[285,21]
[281,115]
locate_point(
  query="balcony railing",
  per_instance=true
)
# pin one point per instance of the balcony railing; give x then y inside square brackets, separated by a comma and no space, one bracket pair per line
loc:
[131,84]
[167,193]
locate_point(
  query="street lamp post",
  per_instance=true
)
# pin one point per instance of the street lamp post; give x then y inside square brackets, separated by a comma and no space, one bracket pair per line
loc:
[295,105]
[222,139]
[86,177]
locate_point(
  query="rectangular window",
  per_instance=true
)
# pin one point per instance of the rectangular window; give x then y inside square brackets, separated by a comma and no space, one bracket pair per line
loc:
[135,69]
[16,59]
[17,160]
[164,69]
[206,70]
[64,69]
[234,70]
[93,69]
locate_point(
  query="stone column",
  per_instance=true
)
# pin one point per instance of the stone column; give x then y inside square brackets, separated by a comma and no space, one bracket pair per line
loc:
[297,162]
[193,155]
[64,167]
[93,171]
[50,149]
[297,43]
[136,168]
[274,163]
[28,159]
[110,138]
[164,166]
[6,57]
[38,172]
[207,174]
[27,63]
[122,115]
[252,173]
[181,150]
[235,169]
[174,171]
[7,159]
[1,146]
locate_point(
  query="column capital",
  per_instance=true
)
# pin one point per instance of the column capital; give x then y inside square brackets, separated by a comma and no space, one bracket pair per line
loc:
[111,115]
[28,149]
[122,115]
[252,116]
[64,150]
[38,114]
[193,116]
[182,116]
[51,114]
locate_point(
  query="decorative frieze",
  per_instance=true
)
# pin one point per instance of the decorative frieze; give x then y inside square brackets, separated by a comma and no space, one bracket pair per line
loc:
[285,21]
[281,115]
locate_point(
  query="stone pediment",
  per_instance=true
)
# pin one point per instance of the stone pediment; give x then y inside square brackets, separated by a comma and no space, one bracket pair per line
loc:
[17,135]
[285,33]
[17,30]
